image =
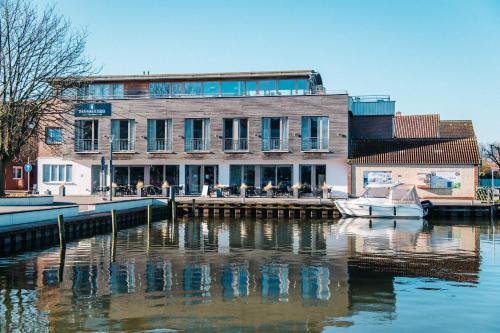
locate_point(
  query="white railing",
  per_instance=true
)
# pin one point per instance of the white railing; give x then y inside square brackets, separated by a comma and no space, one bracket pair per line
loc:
[159,144]
[235,144]
[86,145]
[271,144]
[196,144]
[123,145]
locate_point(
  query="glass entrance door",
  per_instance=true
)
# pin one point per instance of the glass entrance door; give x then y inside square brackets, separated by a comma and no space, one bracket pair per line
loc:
[199,175]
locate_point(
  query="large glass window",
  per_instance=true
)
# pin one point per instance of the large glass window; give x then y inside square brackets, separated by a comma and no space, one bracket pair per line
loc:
[314,133]
[177,88]
[211,88]
[196,132]
[120,176]
[199,175]
[312,177]
[57,173]
[159,89]
[159,134]
[280,175]
[267,87]
[172,174]
[251,88]
[123,133]
[302,87]
[192,88]
[101,91]
[274,133]
[235,134]
[86,135]
[232,88]
[239,174]
[287,87]
[53,135]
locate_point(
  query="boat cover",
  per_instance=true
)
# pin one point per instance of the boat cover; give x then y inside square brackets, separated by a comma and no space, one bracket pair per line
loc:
[397,194]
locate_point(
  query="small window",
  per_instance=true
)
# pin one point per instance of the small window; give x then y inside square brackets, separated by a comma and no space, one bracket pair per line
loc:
[53,135]
[17,172]
[57,173]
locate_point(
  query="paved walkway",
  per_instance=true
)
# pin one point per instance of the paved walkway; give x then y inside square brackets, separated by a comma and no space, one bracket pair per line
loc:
[84,201]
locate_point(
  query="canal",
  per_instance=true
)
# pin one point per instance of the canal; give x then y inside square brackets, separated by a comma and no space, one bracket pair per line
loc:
[253,275]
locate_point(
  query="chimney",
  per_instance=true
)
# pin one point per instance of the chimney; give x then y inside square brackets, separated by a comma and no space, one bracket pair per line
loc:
[398,113]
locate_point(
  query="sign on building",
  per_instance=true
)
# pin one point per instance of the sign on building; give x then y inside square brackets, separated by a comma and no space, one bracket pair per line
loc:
[93,110]
[377,178]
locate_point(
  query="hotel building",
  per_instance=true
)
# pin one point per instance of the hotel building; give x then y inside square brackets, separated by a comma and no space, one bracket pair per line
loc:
[200,129]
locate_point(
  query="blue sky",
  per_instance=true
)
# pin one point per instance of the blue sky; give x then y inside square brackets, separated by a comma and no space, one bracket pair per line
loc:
[430,56]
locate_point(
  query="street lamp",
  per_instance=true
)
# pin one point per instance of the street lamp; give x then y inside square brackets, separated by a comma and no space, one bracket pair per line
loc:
[111,137]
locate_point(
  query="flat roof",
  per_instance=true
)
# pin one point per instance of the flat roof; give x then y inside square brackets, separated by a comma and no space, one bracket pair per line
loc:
[202,76]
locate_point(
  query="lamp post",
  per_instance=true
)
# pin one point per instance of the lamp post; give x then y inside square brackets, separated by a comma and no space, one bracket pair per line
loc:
[111,168]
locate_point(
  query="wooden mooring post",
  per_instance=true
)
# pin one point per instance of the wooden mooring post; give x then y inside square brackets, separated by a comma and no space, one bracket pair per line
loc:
[114,231]
[193,208]
[149,215]
[62,233]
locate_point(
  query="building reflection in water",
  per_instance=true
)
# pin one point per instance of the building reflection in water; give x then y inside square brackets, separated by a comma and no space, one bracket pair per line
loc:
[275,282]
[315,284]
[196,281]
[235,280]
[159,276]
[302,270]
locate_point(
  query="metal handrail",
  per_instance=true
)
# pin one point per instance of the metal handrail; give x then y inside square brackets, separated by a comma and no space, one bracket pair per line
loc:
[161,144]
[83,145]
[219,95]
[196,144]
[314,143]
[270,144]
[235,144]
[123,145]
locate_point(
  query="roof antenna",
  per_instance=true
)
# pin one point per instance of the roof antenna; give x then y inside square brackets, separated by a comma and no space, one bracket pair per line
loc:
[148,72]
[143,72]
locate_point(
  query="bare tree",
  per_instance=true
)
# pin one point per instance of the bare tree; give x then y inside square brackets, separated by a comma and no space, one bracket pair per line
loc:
[491,152]
[40,55]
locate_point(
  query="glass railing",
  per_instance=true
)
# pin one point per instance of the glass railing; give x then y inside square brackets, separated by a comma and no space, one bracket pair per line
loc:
[196,144]
[274,144]
[123,145]
[159,144]
[314,144]
[86,145]
[235,144]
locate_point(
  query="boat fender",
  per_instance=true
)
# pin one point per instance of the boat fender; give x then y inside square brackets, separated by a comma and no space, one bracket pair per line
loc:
[426,204]
[370,210]
[394,210]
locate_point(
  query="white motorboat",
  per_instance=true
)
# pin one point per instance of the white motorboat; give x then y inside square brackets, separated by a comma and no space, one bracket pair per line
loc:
[393,200]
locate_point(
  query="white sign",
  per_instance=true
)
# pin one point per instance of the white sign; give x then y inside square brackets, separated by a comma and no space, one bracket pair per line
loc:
[446,179]
[377,177]
[204,191]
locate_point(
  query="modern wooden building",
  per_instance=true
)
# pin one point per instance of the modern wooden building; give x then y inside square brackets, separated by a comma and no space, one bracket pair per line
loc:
[201,129]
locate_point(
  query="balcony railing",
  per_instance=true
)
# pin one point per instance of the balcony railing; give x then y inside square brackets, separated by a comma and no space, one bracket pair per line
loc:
[274,144]
[159,144]
[235,144]
[86,145]
[123,145]
[314,144]
[196,144]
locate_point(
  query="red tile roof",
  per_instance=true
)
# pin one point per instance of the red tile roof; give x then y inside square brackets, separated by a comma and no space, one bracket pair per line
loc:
[456,129]
[416,126]
[415,151]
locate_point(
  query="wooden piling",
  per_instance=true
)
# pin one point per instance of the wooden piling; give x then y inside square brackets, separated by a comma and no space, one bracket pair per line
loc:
[62,233]
[150,216]
[193,208]
[114,224]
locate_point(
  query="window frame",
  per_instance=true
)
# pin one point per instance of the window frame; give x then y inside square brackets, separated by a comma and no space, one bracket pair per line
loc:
[17,168]
[47,129]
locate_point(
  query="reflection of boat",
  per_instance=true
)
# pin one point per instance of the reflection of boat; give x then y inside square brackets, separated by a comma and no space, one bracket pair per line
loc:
[398,200]
[379,226]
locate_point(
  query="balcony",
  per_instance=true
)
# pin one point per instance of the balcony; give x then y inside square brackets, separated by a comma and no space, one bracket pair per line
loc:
[196,145]
[159,145]
[274,144]
[123,145]
[235,145]
[314,144]
[86,145]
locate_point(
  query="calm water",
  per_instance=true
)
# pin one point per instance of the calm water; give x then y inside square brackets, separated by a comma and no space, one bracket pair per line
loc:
[268,276]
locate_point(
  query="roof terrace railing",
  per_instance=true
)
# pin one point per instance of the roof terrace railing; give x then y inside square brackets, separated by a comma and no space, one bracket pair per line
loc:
[208,95]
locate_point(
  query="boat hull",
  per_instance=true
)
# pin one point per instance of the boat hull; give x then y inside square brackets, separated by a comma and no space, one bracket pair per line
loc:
[367,209]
